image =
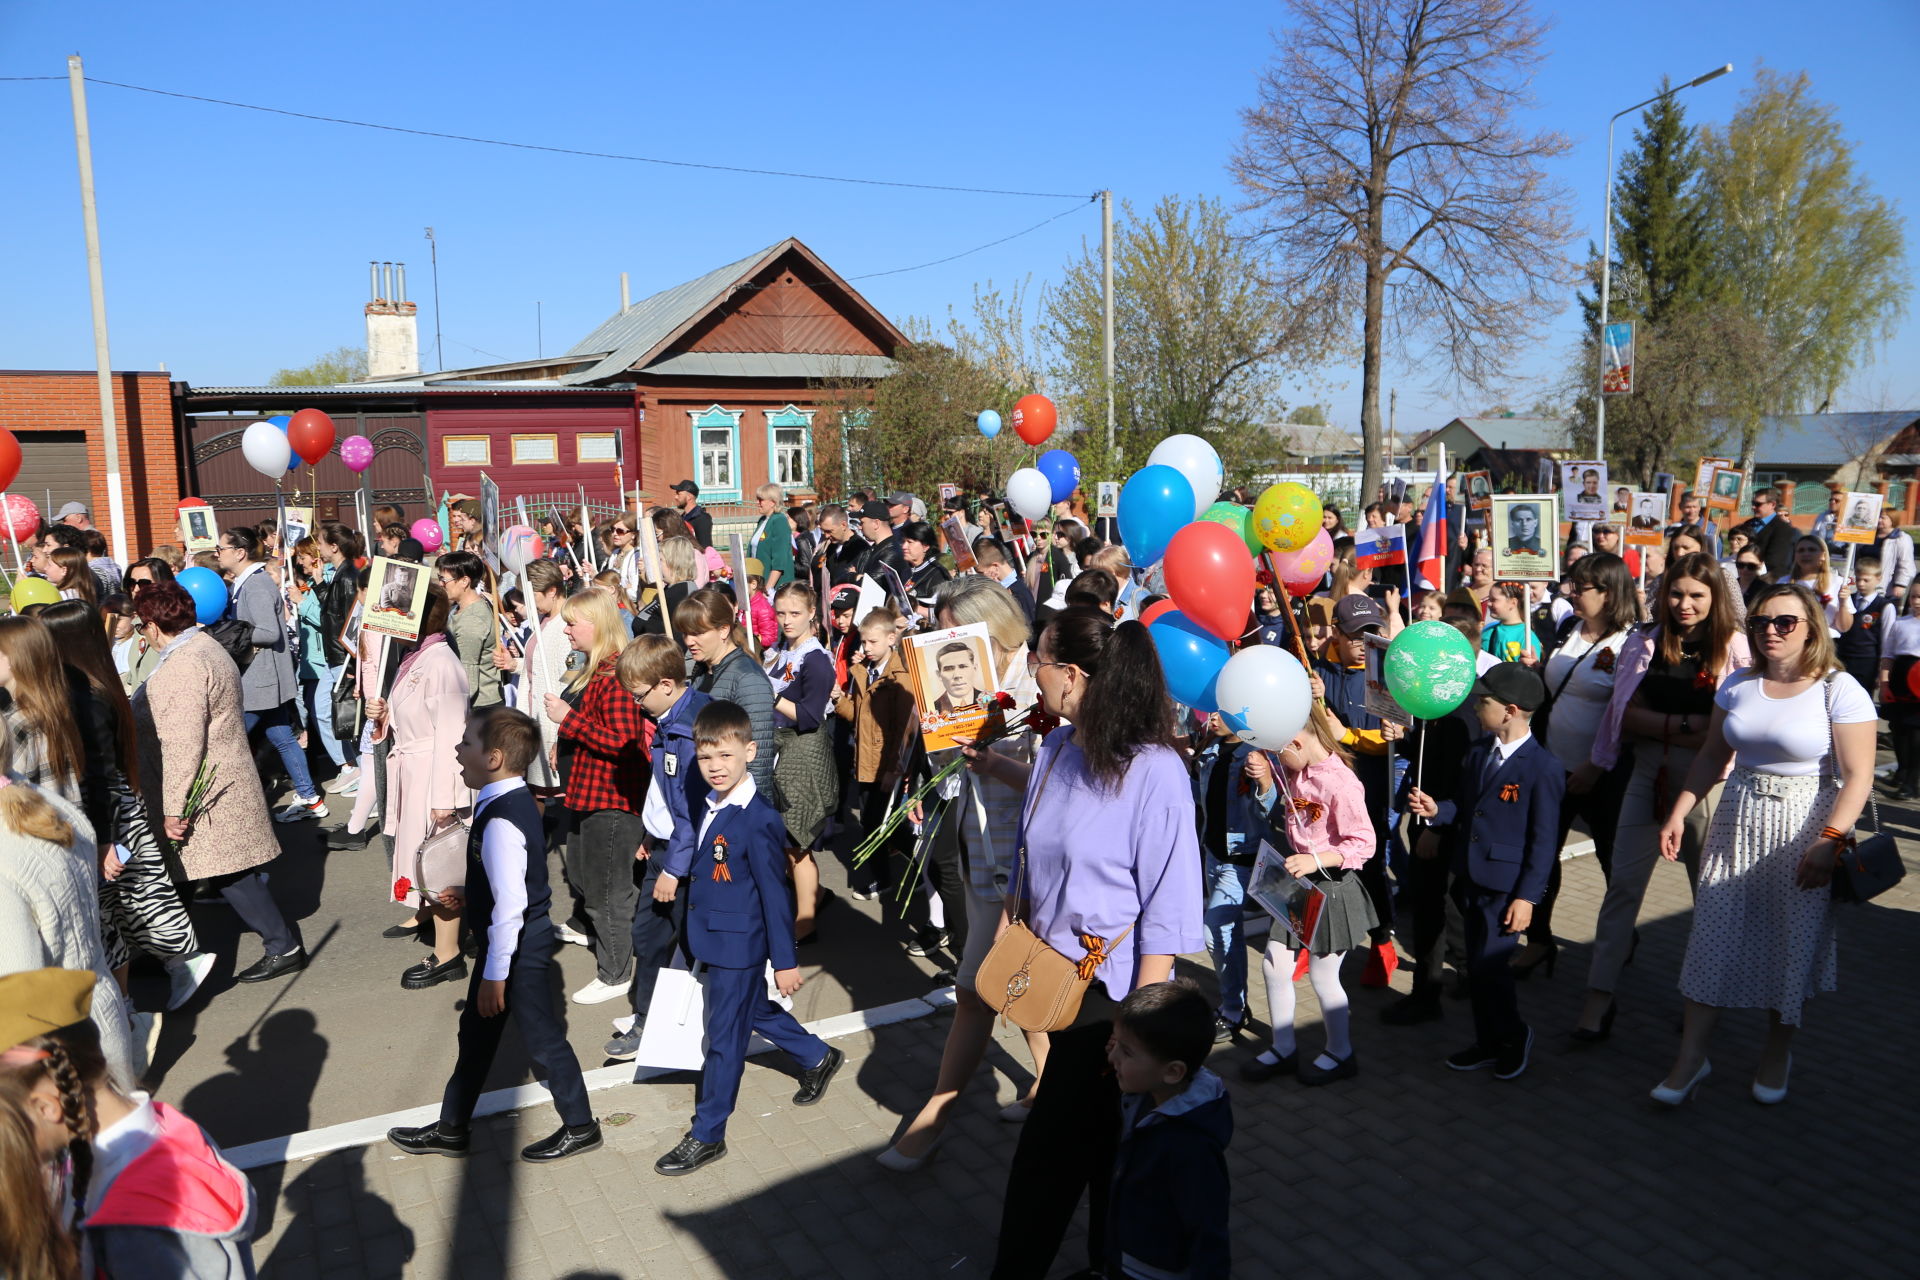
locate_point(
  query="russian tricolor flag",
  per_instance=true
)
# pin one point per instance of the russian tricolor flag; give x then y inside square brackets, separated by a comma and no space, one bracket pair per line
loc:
[1432,562]
[1373,548]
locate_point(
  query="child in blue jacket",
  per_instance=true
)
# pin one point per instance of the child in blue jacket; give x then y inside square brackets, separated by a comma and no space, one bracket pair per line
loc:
[1168,1212]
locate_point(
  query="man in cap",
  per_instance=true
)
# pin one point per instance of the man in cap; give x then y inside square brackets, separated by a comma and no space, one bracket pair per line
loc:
[900,509]
[1502,825]
[686,496]
[883,560]
[74,515]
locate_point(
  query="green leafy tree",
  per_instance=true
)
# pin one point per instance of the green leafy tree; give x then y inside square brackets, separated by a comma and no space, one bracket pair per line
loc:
[342,364]
[1385,159]
[1802,245]
[1309,415]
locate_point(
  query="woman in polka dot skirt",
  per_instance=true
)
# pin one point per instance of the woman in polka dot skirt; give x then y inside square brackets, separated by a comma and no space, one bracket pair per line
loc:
[1800,732]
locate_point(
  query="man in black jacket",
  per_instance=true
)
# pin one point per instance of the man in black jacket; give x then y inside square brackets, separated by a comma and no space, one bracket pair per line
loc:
[841,549]
[686,496]
[1772,534]
[883,560]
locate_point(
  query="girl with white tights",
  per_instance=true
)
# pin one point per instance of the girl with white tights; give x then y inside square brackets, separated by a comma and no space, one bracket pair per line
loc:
[1323,814]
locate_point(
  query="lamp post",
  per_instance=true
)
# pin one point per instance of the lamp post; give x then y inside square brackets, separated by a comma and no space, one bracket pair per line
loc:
[1606,257]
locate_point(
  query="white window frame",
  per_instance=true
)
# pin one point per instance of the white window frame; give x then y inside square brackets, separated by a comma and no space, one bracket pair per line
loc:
[709,419]
[804,483]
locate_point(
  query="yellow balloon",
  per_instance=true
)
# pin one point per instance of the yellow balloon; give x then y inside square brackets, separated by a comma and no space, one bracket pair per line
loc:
[1286,517]
[28,591]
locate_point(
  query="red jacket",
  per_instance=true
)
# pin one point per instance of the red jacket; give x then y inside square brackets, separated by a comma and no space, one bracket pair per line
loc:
[611,746]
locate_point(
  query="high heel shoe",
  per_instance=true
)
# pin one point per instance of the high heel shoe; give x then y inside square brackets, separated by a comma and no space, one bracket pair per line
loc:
[1674,1097]
[893,1162]
[1768,1096]
[1548,959]
[1588,1035]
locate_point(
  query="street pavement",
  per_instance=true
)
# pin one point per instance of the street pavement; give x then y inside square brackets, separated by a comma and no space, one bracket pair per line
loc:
[1408,1169]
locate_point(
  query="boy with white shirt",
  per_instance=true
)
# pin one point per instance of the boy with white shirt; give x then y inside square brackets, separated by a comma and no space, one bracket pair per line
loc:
[507,900]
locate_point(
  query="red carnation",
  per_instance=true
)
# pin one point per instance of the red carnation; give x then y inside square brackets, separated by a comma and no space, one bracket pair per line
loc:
[1263,578]
[401,888]
[1003,700]
[1705,680]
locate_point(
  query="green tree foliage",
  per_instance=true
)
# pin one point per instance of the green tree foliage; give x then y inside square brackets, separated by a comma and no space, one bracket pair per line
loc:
[342,364]
[1200,343]
[1309,415]
[1802,245]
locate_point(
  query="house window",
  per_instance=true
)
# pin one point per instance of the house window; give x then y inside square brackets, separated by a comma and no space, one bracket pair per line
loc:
[467,451]
[598,447]
[534,450]
[716,453]
[790,448]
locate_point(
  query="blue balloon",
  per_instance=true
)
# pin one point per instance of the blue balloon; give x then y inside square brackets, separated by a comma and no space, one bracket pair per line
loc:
[281,420]
[1155,503]
[1192,658]
[209,592]
[1062,471]
[989,423]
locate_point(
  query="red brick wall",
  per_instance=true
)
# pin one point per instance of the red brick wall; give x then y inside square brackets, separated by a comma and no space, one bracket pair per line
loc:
[61,400]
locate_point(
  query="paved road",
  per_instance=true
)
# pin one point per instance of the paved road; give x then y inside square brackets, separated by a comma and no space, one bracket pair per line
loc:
[1410,1169]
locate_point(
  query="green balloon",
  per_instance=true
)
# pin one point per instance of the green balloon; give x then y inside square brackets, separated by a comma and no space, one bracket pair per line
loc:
[1237,518]
[1429,669]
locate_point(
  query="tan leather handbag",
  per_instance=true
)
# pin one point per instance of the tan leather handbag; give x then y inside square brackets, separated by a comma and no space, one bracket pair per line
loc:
[1024,978]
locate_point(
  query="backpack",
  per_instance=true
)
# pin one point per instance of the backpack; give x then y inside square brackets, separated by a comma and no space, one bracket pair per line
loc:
[236,637]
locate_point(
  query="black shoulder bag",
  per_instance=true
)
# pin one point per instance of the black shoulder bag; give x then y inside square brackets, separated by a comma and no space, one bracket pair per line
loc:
[1867,868]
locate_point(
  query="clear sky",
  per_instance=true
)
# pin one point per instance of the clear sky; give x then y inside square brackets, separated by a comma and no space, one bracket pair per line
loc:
[237,242]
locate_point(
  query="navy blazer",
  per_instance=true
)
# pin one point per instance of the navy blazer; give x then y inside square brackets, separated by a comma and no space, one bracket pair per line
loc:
[1506,840]
[744,921]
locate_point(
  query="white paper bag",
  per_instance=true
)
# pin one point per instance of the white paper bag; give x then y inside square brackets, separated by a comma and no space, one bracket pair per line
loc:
[674,1037]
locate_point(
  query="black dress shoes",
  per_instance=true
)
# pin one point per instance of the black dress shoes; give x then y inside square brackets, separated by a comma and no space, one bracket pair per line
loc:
[1254,1071]
[411,930]
[565,1141]
[1421,1006]
[689,1155]
[428,973]
[273,966]
[813,1084]
[431,1140]
[339,839]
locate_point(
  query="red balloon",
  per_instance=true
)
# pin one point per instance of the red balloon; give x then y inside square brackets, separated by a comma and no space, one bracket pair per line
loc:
[1034,418]
[1910,681]
[9,458]
[1210,577]
[1157,609]
[310,432]
[21,519]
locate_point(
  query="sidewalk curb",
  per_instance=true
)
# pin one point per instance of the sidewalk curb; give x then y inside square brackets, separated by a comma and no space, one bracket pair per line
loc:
[360,1133]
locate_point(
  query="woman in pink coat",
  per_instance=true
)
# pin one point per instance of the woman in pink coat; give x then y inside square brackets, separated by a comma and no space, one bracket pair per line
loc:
[425,714]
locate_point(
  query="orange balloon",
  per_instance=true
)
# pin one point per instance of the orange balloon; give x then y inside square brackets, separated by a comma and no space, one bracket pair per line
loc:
[1034,418]
[9,458]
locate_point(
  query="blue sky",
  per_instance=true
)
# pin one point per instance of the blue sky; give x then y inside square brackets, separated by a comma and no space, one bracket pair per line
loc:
[237,242]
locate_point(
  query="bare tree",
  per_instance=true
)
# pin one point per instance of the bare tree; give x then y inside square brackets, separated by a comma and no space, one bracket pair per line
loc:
[1384,160]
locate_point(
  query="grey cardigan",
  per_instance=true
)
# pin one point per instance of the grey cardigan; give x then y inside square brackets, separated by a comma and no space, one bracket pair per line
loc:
[268,680]
[740,680]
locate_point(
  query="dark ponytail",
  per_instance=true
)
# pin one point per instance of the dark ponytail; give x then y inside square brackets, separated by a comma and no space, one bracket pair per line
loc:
[1125,707]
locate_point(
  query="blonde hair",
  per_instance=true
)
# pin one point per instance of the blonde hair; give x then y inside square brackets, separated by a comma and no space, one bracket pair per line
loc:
[24,811]
[610,580]
[596,606]
[1825,576]
[772,491]
[40,694]
[1818,658]
[679,560]
[971,598]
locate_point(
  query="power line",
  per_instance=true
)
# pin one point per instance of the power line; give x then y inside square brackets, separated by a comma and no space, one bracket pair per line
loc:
[976,249]
[570,151]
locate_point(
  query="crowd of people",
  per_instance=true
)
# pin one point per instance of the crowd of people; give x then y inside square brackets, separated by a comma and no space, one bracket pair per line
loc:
[685,749]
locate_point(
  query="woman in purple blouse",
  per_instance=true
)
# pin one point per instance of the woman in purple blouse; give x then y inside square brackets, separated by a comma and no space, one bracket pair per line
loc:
[1110,844]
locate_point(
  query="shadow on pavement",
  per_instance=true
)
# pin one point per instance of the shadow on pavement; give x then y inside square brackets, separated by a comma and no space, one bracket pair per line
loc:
[279,1074]
[333,1217]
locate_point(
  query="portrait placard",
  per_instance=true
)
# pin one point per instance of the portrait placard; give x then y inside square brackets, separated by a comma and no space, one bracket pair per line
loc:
[197,529]
[1377,699]
[1723,492]
[1479,487]
[1584,486]
[1524,526]
[396,598]
[954,680]
[1647,520]
[1859,518]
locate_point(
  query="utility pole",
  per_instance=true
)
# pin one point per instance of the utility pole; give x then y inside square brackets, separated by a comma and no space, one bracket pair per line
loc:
[109,424]
[439,357]
[1106,271]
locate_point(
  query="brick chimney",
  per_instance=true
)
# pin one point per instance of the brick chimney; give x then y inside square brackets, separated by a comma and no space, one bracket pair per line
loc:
[393,330]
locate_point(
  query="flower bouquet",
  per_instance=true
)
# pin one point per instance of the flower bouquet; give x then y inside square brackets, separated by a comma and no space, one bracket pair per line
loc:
[198,793]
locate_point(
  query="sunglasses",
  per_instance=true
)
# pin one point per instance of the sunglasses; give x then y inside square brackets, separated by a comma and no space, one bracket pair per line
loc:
[621,529]
[1783,624]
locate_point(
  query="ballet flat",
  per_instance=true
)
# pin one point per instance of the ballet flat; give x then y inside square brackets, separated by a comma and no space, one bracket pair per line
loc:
[1674,1097]
[892,1161]
[1771,1097]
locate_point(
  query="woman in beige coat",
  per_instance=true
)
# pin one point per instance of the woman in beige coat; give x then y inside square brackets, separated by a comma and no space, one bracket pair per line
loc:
[425,716]
[188,712]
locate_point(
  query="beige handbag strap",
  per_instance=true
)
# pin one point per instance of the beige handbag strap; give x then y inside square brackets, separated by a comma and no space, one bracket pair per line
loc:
[1096,954]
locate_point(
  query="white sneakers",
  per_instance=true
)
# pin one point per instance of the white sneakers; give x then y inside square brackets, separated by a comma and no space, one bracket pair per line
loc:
[346,782]
[301,808]
[567,933]
[598,992]
[184,976]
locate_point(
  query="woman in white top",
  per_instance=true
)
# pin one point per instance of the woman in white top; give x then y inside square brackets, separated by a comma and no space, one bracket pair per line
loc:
[1813,570]
[1800,733]
[1897,700]
[541,660]
[1579,676]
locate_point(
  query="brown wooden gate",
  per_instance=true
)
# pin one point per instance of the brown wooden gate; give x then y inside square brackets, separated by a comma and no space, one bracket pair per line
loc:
[218,472]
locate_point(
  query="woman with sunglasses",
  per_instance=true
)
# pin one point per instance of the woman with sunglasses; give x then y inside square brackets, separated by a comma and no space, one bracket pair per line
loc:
[1662,701]
[1799,733]
[623,553]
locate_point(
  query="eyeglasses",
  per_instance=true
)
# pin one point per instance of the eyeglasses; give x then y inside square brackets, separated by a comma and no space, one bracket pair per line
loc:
[1585,587]
[621,529]
[1034,664]
[1783,624]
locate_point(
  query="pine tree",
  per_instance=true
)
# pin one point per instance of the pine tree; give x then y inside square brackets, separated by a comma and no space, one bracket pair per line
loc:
[1659,222]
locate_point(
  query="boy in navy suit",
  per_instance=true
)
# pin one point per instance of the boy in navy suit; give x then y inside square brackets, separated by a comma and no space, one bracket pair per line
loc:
[739,918]
[1504,826]
[507,899]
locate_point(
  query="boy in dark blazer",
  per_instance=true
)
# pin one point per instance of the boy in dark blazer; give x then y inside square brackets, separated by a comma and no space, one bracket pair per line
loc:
[1503,827]
[507,901]
[738,919]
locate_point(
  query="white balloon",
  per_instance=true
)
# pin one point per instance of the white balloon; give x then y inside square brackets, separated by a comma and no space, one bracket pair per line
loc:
[1264,696]
[267,450]
[1029,492]
[1198,461]
[519,547]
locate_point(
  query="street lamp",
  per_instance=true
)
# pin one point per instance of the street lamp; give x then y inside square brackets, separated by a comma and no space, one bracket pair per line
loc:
[1606,256]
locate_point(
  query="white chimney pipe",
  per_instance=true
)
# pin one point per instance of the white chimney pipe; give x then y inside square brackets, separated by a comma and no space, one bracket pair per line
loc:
[626,299]
[373,281]
[400,281]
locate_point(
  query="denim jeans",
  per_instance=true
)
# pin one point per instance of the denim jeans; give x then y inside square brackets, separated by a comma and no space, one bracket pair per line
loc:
[278,726]
[320,713]
[1226,886]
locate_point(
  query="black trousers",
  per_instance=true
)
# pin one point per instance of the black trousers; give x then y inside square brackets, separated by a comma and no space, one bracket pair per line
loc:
[1496,1003]
[532,1006]
[949,877]
[1424,898]
[1067,1147]
[1601,809]
[247,893]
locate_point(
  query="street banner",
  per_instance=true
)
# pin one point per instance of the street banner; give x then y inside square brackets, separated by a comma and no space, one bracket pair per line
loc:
[1616,358]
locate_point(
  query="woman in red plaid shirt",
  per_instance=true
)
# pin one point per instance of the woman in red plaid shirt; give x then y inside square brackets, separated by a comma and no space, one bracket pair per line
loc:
[606,783]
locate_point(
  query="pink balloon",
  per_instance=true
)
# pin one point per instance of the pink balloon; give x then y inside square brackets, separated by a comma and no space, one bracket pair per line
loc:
[427,533]
[1302,570]
[21,519]
[356,453]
